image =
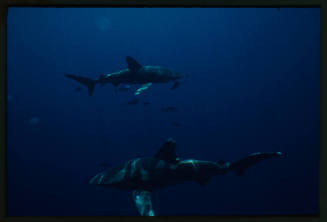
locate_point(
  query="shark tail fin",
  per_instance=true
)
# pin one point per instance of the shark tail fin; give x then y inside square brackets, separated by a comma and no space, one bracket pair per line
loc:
[88,82]
[243,164]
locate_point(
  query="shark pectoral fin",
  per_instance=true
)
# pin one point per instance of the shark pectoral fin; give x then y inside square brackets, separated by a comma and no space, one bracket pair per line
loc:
[142,88]
[142,199]
[133,65]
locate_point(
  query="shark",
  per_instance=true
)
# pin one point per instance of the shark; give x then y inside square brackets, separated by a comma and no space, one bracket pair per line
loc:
[134,74]
[144,175]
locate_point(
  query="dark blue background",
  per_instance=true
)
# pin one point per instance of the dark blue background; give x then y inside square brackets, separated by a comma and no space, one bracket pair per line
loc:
[253,86]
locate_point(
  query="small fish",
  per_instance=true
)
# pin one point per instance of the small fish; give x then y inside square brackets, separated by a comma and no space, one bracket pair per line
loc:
[146,103]
[133,101]
[176,124]
[175,86]
[78,88]
[34,120]
[9,98]
[169,109]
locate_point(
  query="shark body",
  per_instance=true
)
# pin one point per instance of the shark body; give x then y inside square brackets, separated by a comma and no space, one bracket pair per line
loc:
[143,175]
[134,74]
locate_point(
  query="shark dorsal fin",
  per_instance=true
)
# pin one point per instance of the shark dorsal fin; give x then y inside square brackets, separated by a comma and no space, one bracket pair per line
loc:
[167,151]
[133,65]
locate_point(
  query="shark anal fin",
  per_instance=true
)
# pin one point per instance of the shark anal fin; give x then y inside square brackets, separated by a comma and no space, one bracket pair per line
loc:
[142,199]
[167,151]
[142,88]
[133,65]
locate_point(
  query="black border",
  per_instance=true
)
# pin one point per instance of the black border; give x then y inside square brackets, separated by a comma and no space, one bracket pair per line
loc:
[4,4]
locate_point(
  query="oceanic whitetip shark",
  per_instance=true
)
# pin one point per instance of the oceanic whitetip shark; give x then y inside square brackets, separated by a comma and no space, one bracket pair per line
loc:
[134,74]
[143,175]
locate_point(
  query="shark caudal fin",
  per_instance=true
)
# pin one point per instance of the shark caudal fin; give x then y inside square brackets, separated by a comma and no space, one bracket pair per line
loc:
[241,165]
[90,83]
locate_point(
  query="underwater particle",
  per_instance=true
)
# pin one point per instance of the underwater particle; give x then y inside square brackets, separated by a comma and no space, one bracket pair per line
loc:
[279,153]
[133,101]
[9,98]
[77,89]
[169,109]
[103,23]
[34,120]
[176,124]
[175,86]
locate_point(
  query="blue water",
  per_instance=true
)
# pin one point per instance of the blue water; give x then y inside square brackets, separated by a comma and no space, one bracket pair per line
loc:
[253,86]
